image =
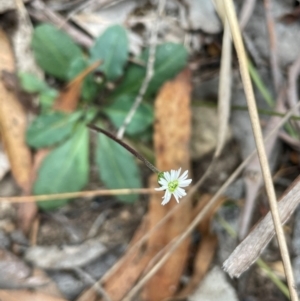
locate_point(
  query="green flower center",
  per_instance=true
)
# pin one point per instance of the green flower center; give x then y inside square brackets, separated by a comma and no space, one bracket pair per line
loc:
[172,186]
[160,175]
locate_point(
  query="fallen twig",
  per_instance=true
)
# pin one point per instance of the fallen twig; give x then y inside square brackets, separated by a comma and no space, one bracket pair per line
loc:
[149,70]
[41,12]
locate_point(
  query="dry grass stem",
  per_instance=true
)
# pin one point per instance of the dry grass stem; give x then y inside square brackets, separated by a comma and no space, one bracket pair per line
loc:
[73,195]
[273,45]
[246,13]
[237,38]
[224,96]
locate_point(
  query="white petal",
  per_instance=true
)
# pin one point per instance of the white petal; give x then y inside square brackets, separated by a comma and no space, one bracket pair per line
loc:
[185,183]
[181,192]
[163,182]
[167,176]
[176,197]
[173,175]
[166,198]
[184,175]
[178,173]
[164,202]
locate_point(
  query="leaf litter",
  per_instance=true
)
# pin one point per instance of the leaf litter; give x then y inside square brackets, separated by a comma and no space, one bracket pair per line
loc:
[171,147]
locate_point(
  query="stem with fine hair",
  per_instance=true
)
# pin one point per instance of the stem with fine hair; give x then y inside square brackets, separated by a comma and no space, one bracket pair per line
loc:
[126,146]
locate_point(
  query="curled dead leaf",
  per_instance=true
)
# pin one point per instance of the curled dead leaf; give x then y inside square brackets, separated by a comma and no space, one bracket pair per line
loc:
[13,122]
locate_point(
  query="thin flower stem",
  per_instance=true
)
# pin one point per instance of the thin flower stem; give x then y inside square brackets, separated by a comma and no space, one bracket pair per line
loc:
[238,42]
[126,146]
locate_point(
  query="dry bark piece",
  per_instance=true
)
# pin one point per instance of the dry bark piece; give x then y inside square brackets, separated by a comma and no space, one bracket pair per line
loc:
[171,142]
[248,251]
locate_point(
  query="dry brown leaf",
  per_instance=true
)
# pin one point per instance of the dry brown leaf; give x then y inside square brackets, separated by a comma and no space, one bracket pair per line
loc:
[13,122]
[171,140]
[67,100]
[26,295]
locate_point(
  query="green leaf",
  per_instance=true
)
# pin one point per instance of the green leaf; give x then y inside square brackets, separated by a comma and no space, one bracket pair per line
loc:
[170,58]
[112,49]
[117,167]
[47,99]
[51,128]
[89,88]
[54,50]
[65,169]
[119,109]
[31,83]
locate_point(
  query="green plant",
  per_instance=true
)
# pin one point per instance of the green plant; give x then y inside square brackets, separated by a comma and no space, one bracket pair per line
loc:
[66,168]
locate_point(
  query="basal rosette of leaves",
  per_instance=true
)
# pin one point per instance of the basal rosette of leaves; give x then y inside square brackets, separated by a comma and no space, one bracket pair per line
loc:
[66,168]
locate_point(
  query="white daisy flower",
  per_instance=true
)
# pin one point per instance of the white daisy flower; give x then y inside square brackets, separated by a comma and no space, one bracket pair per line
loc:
[172,184]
